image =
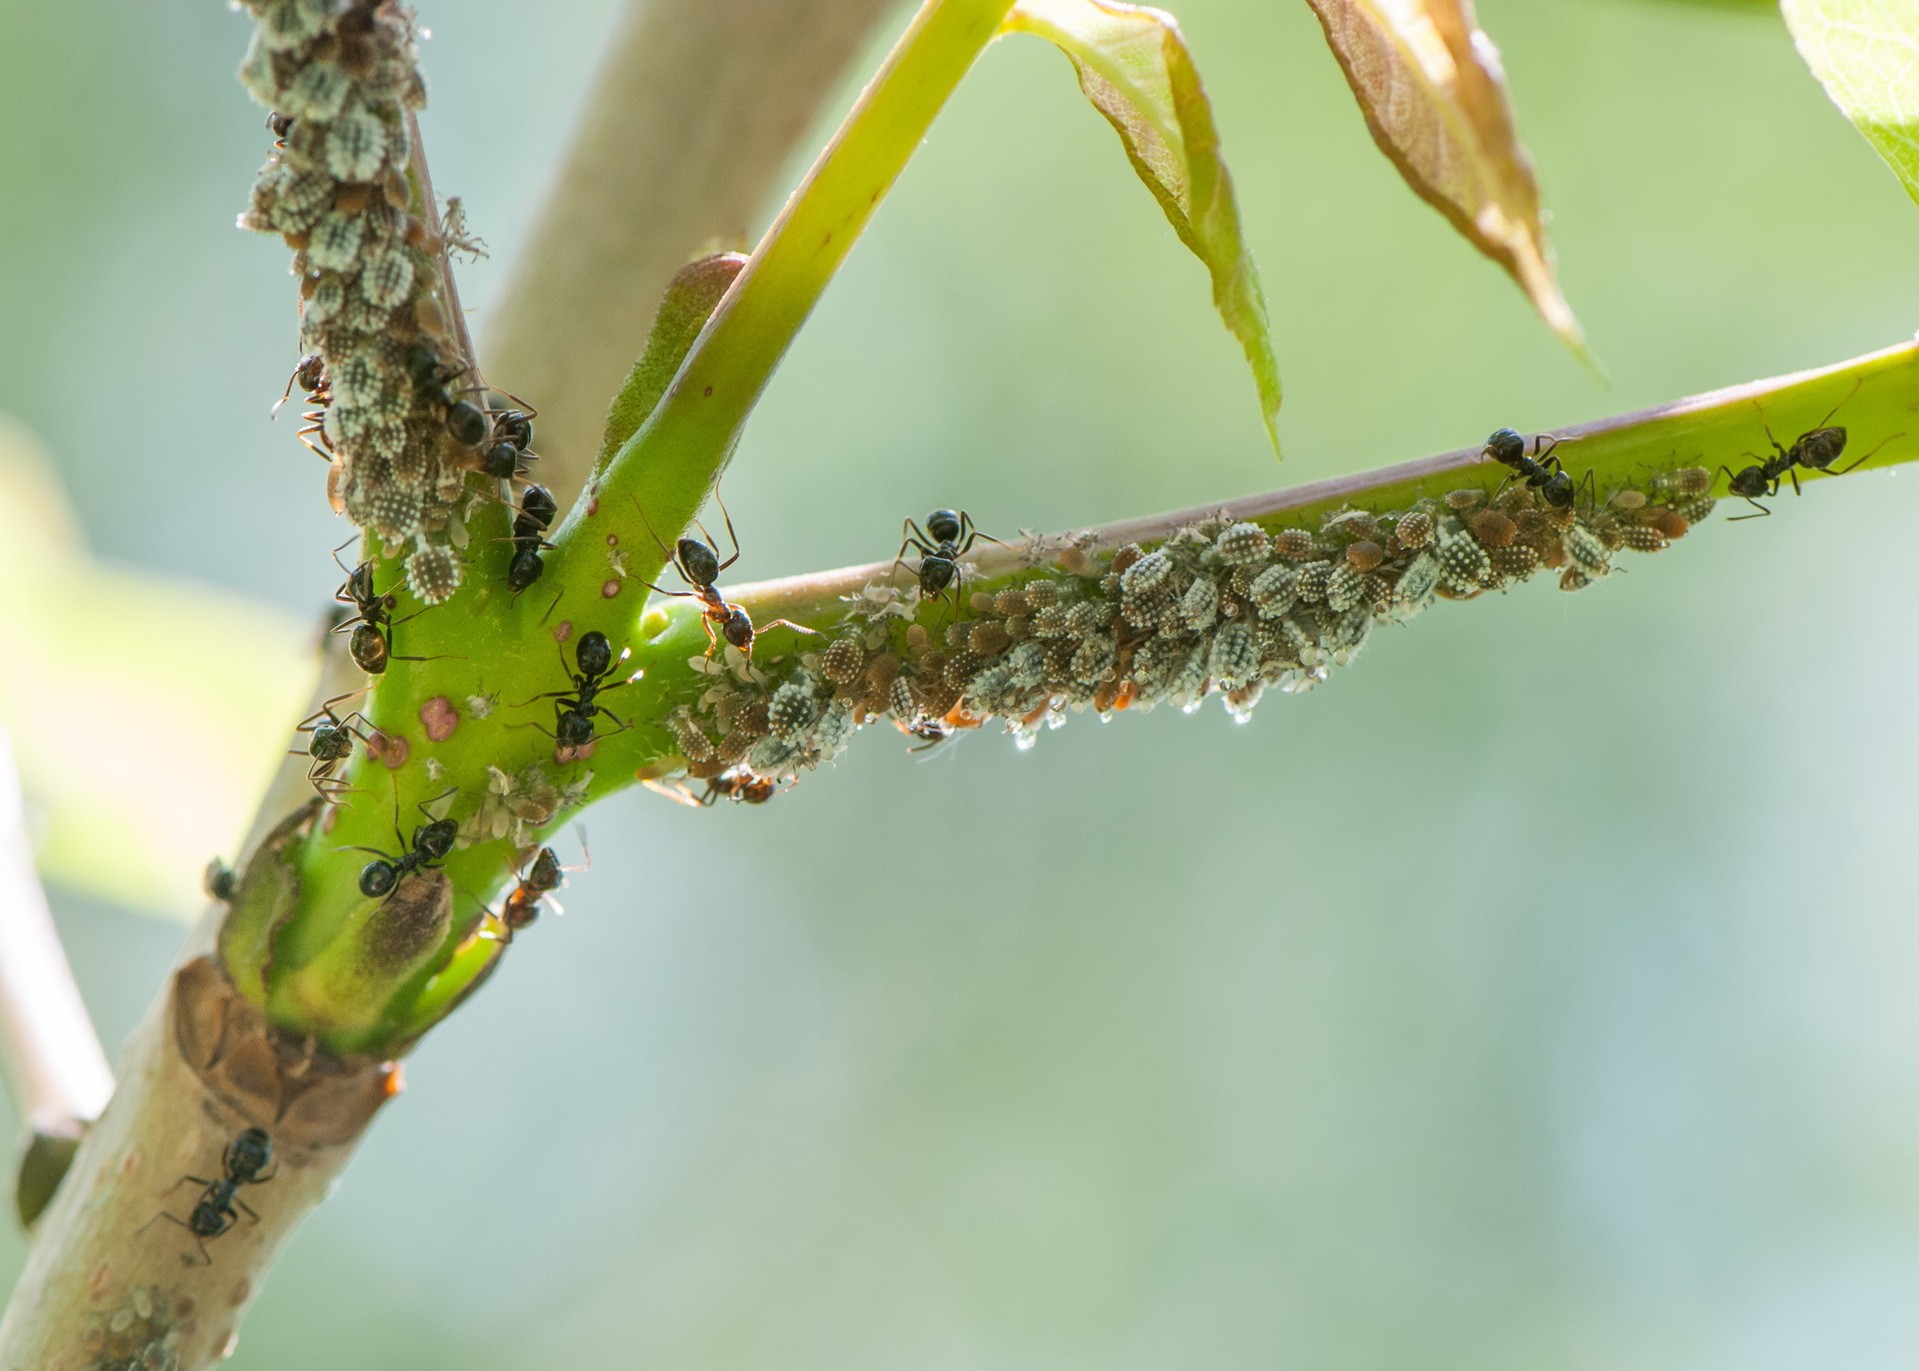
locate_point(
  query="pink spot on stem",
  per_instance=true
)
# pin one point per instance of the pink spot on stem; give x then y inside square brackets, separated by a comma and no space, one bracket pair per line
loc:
[439,718]
[389,749]
[562,630]
[608,589]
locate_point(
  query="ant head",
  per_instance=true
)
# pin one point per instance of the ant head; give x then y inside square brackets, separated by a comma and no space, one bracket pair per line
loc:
[251,1152]
[435,840]
[515,427]
[311,373]
[1505,446]
[359,584]
[943,526]
[737,628]
[594,653]
[422,363]
[699,563]
[368,648]
[501,461]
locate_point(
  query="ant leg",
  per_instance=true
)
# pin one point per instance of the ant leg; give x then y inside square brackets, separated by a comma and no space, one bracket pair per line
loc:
[1841,471]
[788,623]
[1857,382]
[915,538]
[241,1205]
[1795,481]
[1762,514]
[729,530]
[674,791]
[1544,445]
[641,510]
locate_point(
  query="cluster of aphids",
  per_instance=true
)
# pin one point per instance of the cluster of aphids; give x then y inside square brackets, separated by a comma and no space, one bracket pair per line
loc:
[392,405]
[1221,607]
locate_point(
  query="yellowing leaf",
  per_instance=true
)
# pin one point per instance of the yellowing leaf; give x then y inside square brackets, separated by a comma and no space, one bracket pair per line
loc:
[1866,54]
[147,715]
[1133,65]
[1430,84]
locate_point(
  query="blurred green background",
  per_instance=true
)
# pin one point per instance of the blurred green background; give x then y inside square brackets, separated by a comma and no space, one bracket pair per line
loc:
[1537,994]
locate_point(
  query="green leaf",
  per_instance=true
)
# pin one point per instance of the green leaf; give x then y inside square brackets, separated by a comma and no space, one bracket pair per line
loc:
[1134,66]
[1866,54]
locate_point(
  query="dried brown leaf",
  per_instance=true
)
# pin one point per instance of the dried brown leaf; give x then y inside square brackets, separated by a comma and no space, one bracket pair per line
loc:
[1431,86]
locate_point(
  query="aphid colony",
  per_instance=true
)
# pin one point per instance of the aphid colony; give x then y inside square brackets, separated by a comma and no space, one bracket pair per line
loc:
[394,410]
[1220,607]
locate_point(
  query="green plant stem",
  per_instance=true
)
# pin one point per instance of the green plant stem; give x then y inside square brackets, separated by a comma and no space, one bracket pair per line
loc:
[1876,395]
[487,644]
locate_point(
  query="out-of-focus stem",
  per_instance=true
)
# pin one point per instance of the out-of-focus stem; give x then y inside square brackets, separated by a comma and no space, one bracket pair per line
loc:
[697,109]
[55,1065]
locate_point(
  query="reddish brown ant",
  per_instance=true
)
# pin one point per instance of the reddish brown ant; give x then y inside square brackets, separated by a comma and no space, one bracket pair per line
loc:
[542,877]
[701,566]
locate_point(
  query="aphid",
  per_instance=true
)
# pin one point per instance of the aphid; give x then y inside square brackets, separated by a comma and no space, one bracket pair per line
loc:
[245,1162]
[432,841]
[372,642]
[219,880]
[574,711]
[536,514]
[700,566]
[329,744]
[948,536]
[1541,470]
[1684,481]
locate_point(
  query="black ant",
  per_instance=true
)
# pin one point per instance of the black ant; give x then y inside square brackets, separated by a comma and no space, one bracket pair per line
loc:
[948,536]
[508,454]
[574,711]
[432,841]
[1541,471]
[279,125]
[1816,450]
[700,566]
[465,421]
[537,510]
[309,374]
[330,744]
[372,642]
[245,1160]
